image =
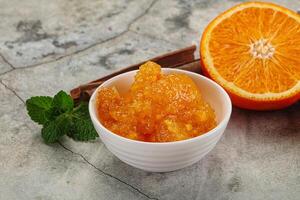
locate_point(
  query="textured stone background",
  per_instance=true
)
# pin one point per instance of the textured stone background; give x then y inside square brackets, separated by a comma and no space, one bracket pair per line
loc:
[46,46]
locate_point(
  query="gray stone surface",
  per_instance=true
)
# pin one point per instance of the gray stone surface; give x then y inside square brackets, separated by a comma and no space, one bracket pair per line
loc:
[36,31]
[46,46]
[4,65]
[186,20]
[82,67]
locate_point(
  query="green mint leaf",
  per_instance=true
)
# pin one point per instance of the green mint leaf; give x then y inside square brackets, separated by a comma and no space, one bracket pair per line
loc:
[82,127]
[38,108]
[62,102]
[82,110]
[59,117]
[53,130]
[83,130]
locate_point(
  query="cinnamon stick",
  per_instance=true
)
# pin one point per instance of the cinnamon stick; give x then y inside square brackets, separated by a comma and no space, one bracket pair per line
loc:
[181,59]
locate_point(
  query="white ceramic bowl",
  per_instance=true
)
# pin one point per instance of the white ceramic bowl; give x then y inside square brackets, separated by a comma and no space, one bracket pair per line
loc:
[168,156]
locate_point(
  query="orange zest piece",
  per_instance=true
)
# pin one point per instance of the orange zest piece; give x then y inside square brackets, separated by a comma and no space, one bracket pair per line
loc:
[253,51]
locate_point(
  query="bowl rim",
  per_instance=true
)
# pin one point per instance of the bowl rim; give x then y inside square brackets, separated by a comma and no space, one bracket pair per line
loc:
[221,124]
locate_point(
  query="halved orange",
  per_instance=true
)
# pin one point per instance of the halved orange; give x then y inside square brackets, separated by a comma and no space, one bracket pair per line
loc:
[253,51]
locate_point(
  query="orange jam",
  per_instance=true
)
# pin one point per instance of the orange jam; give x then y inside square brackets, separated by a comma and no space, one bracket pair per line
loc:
[157,108]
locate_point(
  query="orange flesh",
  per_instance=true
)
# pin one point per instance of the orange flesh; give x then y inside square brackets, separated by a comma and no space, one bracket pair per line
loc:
[157,108]
[252,50]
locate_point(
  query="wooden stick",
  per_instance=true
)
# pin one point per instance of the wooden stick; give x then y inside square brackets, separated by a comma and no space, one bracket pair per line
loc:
[181,59]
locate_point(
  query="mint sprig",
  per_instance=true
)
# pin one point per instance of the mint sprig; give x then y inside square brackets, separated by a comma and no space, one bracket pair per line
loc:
[59,117]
